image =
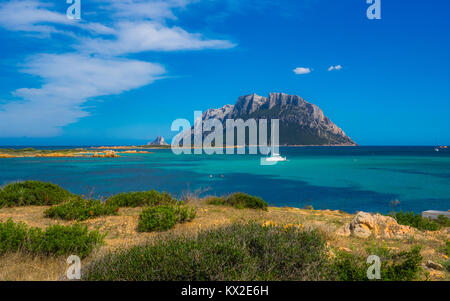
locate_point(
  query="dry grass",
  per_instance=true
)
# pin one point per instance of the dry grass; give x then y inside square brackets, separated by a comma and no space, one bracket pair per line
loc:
[25,267]
[122,232]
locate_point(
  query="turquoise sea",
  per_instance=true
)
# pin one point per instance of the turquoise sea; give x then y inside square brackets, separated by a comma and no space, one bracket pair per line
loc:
[345,178]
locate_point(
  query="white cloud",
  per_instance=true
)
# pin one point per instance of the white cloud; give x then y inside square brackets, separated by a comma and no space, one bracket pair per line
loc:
[27,15]
[36,17]
[337,67]
[154,10]
[69,81]
[302,70]
[135,37]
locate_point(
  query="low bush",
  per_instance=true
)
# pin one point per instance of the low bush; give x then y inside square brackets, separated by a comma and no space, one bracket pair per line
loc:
[245,252]
[239,200]
[164,217]
[55,240]
[403,266]
[447,252]
[443,221]
[33,193]
[236,252]
[81,209]
[14,236]
[419,222]
[447,265]
[347,267]
[141,198]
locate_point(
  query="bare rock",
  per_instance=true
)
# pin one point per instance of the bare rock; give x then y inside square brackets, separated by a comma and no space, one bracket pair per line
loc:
[365,224]
[434,265]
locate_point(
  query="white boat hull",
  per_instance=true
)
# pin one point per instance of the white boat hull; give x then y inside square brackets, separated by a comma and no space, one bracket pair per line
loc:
[276,159]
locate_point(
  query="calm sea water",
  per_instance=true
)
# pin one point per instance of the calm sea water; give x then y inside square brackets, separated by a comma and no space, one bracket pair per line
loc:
[346,178]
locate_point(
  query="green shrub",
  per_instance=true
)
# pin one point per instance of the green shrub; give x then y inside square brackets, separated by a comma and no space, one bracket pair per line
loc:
[80,209]
[419,222]
[246,252]
[236,252]
[216,200]
[12,236]
[447,265]
[447,252]
[447,248]
[443,221]
[32,193]
[348,267]
[141,198]
[239,200]
[55,240]
[164,217]
[403,266]
[63,240]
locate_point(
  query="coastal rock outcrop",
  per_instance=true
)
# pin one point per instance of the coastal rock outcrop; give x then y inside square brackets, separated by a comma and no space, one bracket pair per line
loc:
[106,154]
[365,225]
[434,265]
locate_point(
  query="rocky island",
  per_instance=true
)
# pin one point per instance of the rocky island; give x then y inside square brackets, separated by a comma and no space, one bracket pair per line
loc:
[158,141]
[301,123]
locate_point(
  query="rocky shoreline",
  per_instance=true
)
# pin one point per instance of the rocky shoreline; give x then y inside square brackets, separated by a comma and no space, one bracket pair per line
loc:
[69,153]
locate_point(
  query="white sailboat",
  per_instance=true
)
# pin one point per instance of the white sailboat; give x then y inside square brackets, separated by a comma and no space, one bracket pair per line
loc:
[275,157]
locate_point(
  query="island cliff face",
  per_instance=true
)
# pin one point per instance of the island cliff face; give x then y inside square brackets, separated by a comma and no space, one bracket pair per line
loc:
[158,141]
[301,122]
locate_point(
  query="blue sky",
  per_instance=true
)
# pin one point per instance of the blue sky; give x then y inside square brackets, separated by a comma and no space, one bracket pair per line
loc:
[129,68]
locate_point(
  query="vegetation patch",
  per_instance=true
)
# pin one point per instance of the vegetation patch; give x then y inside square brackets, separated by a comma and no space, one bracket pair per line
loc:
[443,221]
[249,252]
[15,150]
[81,209]
[33,193]
[239,200]
[141,198]
[236,252]
[403,266]
[164,217]
[30,151]
[419,222]
[55,240]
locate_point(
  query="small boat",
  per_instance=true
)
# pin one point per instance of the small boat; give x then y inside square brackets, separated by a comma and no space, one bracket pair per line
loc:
[275,158]
[436,149]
